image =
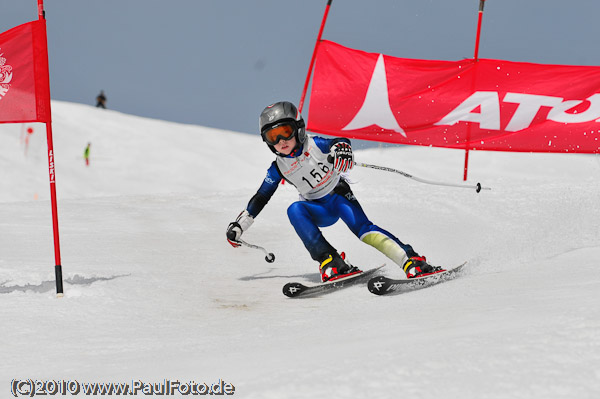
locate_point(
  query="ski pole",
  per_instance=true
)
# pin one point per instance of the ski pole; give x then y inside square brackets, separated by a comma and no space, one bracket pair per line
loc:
[270,258]
[478,187]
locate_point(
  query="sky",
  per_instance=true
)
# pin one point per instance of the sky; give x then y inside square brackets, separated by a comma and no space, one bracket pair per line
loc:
[219,63]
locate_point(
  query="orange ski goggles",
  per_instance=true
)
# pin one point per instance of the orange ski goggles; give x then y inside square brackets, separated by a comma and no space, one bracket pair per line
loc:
[283,131]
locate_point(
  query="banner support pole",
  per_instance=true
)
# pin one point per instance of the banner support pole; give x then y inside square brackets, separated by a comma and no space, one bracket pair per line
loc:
[312,61]
[475,58]
[51,171]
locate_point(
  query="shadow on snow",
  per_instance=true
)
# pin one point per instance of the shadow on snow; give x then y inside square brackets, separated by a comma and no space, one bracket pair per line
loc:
[46,286]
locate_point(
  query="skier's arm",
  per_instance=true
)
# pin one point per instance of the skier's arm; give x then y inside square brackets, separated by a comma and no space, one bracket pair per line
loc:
[265,191]
[325,145]
[255,205]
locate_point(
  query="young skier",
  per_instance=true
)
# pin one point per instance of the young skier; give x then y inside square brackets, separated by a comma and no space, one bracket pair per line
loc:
[302,160]
[86,154]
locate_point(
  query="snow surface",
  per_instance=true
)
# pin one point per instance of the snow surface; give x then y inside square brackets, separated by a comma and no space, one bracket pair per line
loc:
[153,291]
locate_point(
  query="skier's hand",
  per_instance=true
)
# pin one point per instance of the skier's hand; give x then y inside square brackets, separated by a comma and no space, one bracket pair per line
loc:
[343,158]
[235,229]
[234,232]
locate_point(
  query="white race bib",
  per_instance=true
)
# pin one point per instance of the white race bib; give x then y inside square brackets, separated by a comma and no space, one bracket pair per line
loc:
[310,172]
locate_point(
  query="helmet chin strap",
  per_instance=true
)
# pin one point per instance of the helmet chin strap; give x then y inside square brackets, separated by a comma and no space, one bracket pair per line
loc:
[295,149]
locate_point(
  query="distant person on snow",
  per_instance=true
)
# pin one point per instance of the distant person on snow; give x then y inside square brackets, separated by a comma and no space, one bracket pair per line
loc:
[86,154]
[101,100]
[316,166]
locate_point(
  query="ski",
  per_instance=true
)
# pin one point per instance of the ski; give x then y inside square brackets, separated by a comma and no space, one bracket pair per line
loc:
[382,285]
[299,290]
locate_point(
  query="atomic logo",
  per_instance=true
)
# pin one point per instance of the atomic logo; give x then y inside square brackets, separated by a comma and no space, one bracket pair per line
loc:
[377,285]
[376,109]
[5,76]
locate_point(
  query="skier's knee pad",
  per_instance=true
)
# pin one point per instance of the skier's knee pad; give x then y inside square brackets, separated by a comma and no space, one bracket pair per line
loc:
[386,246]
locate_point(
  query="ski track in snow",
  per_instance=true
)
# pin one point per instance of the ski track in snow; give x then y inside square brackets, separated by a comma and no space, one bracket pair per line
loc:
[153,290]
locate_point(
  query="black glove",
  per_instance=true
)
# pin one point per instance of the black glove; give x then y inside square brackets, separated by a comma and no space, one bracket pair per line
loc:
[343,158]
[235,229]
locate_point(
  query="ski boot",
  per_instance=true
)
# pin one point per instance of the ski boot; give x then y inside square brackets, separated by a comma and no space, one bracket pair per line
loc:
[417,266]
[334,267]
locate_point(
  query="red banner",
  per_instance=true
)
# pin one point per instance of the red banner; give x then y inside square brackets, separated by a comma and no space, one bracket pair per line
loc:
[484,105]
[24,85]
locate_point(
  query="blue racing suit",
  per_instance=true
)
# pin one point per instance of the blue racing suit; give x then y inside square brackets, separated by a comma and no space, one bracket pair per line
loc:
[338,203]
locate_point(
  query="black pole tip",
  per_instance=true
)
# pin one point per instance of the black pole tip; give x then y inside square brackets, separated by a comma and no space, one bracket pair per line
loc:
[478,189]
[59,279]
[270,258]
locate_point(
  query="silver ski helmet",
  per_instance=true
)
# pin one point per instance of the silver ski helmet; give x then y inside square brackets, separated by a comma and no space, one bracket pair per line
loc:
[282,116]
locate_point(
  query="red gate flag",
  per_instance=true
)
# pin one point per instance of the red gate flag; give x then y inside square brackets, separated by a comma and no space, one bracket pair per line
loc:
[24,84]
[483,105]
